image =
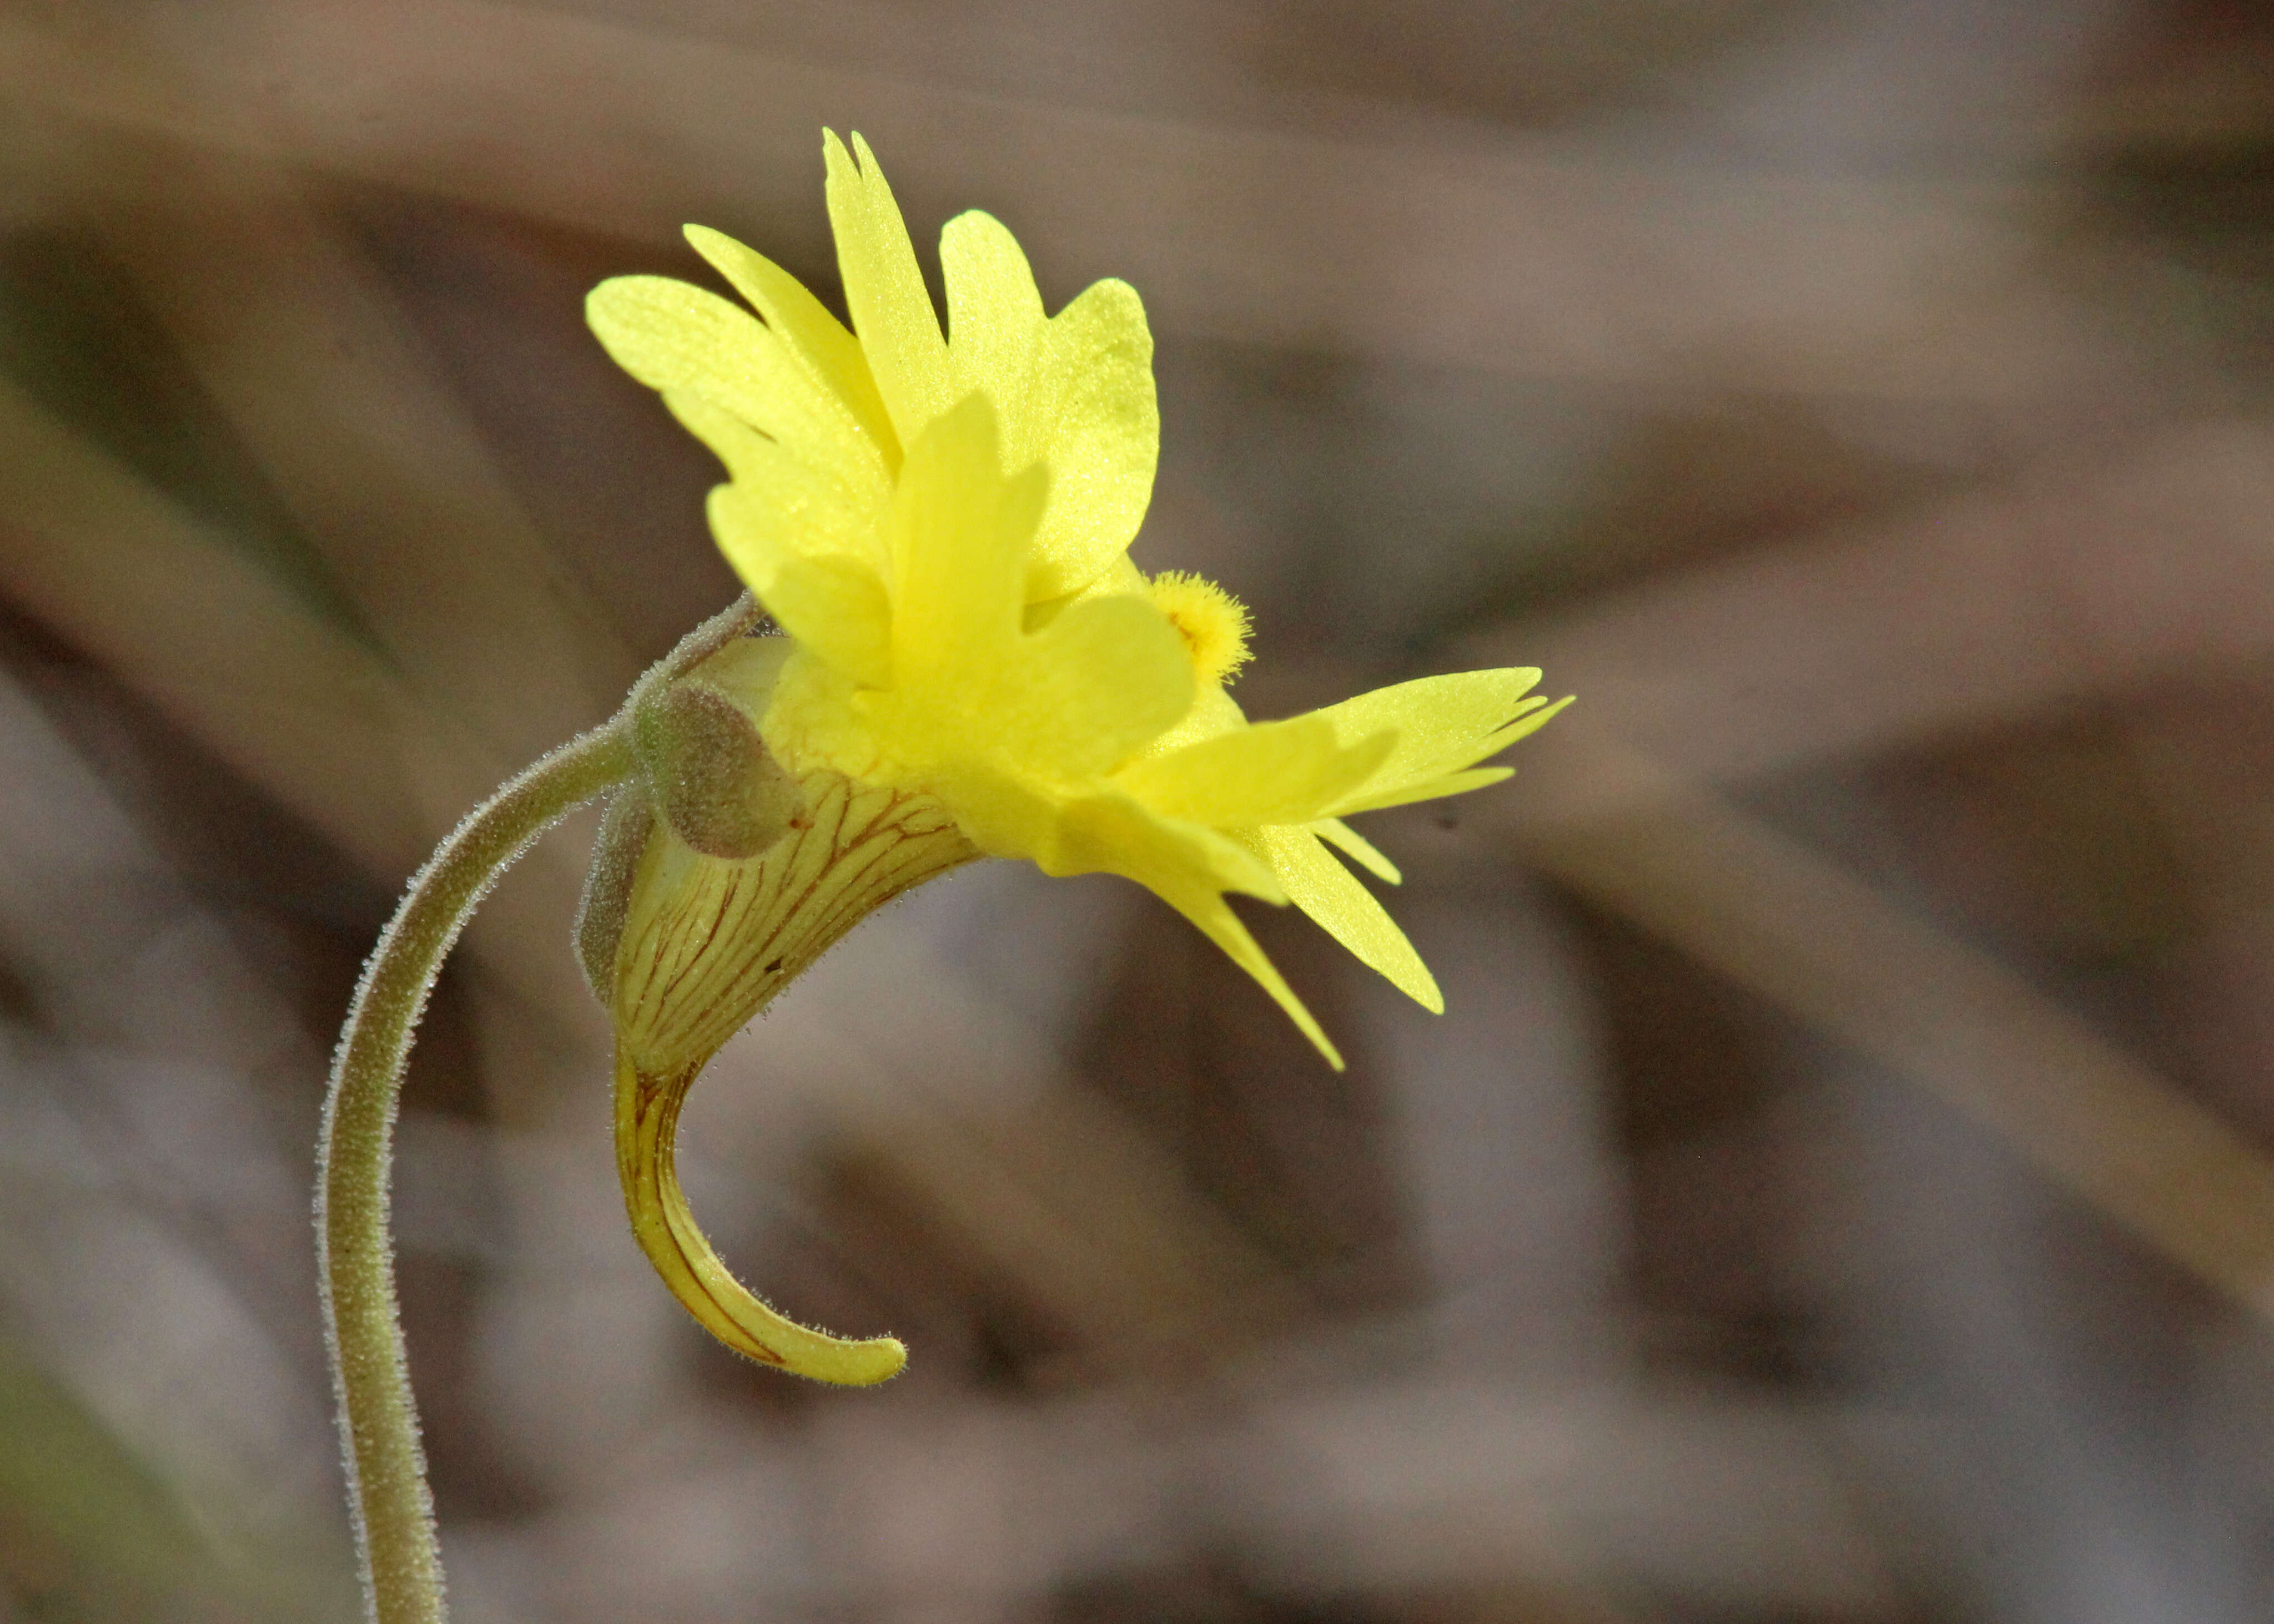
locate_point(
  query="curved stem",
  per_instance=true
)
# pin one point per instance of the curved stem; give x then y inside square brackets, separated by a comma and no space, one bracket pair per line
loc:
[388,1497]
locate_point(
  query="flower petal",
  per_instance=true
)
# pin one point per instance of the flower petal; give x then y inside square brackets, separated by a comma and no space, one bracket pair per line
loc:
[1443,725]
[1357,848]
[891,310]
[1075,392]
[784,506]
[995,327]
[819,343]
[961,532]
[1101,679]
[836,607]
[1330,894]
[1189,868]
[1216,921]
[1434,789]
[1096,394]
[1269,772]
[1068,703]
[679,339]
[1110,833]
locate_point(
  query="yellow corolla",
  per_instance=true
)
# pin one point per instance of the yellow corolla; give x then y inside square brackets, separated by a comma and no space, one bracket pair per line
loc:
[973,666]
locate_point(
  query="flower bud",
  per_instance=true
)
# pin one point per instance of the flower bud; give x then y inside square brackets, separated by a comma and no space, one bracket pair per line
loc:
[702,759]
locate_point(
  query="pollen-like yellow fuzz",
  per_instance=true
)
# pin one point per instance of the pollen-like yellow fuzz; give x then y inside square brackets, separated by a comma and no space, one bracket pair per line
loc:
[1212,622]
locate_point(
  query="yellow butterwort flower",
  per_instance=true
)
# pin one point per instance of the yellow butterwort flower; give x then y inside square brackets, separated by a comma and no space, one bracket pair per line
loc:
[940,525]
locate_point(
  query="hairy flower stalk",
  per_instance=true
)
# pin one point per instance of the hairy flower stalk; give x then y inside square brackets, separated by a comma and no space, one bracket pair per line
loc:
[389,1502]
[946,654]
[393,1512]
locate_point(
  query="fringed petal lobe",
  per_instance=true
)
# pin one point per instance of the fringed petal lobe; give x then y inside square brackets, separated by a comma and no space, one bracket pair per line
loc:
[1357,848]
[1319,884]
[836,607]
[829,356]
[789,505]
[1189,868]
[892,309]
[1443,725]
[682,341]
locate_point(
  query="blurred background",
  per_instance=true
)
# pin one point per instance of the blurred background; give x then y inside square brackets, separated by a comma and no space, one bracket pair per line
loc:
[1840,1191]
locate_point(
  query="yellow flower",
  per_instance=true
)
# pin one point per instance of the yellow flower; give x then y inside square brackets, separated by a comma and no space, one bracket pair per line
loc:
[940,522]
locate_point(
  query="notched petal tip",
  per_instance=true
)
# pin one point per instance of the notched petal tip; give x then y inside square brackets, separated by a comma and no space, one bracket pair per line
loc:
[1445,725]
[1535,715]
